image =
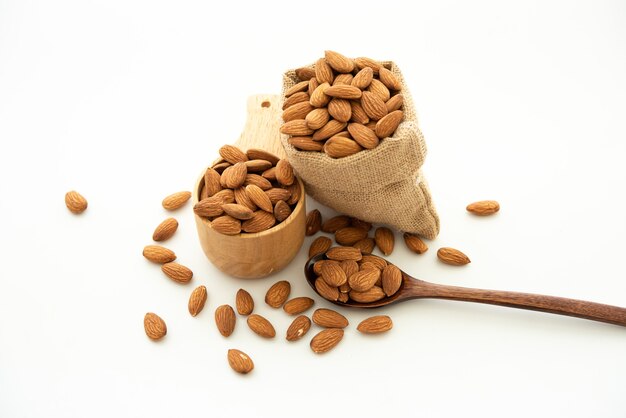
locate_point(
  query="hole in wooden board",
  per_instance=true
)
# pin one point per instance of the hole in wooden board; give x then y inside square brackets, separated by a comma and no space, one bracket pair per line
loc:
[265,104]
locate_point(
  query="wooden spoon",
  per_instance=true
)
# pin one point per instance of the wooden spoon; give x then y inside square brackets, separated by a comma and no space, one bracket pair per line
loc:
[413,288]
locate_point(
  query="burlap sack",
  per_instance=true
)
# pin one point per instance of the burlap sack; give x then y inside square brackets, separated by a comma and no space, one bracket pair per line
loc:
[381,185]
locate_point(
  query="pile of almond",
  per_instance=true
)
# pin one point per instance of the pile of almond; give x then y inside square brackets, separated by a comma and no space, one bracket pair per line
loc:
[247,191]
[342,106]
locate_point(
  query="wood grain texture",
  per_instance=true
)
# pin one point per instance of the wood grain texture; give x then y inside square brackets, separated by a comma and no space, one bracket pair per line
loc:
[259,254]
[412,288]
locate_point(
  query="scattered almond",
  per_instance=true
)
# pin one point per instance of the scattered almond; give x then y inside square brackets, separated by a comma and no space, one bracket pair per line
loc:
[278,294]
[298,305]
[350,235]
[319,246]
[75,202]
[165,230]
[328,318]
[452,256]
[177,272]
[335,223]
[261,326]
[375,325]
[240,361]
[384,240]
[244,302]
[313,222]
[415,243]
[158,254]
[197,300]
[326,340]
[298,328]
[225,320]
[484,207]
[176,200]
[154,326]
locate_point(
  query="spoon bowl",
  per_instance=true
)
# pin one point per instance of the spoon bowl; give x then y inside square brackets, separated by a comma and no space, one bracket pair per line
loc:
[412,288]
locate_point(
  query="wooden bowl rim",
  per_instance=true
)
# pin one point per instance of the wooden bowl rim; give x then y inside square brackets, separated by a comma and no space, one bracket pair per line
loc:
[246,235]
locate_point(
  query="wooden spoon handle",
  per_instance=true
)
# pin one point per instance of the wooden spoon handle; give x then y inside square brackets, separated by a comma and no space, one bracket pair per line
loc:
[262,128]
[552,304]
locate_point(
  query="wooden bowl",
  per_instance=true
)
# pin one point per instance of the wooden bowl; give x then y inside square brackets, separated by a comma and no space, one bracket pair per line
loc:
[257,255]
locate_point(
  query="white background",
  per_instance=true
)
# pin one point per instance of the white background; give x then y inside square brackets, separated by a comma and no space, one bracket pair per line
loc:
[127,101]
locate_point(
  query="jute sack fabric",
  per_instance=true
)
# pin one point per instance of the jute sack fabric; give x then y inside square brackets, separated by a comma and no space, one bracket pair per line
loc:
[382,185]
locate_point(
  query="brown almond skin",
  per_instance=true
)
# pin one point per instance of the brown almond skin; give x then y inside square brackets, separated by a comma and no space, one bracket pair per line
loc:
[391,279]
[344,253]
[319,246]
[333,274]
[278,294]
[313,222]
[374,294]
[298,305]
[176,200]
[281,211]
[75,202]
[261,154]
[165,230]
[233,154]
[284,173]
[375,325]
[225,320]
[364,280]
[240,361]
[154,326]
[298,328]
[384,240]
[452,256]
[244,302]
[326,291]
[483,207]
[261,326]
[326,340]
[177,272]
[350,235]
[197,300]
[158,254]
[335,223]
[366,245]
[328,318]
[415,243]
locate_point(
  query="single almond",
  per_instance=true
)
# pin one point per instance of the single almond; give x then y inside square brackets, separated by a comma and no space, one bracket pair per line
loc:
[372,295]
[294,99]
[261,154]
[75,202]
[414,243]
[242,198]
[319,98]
[305,143]
[224,196]
[331,128]
[212,183]
[232,154]
[343,79]
[391,279]
[298,87]
[328,318]
[333,274]
[278,294]
[358,114]
[317,118]
[379,89]
[296,127]
[298,328]
[295,191]
[326,340]
[388,125]
[374,259]
[240,361]
[260,221]
[363,135]
[384,240]
[373,106]
[234,176]
[313,84]
[452,256]
[320,245]
[344,91]
[177,272]
[394,103]
[366,245]
[375,324]
[209,207]
[261,326]
[363,78]
[340,109]
[335,223]
[344,253]
[326,291]
[343,297]
[154,326]
[323,71]
[244,302]
[226,225]
[176,200]
[237,211]
[317,266]
[340,147]
[349,267]
[484,207]
[363,280]
[305,73]
[284,173]
[281,210]
[297,111]
[258,166]
[349,235]
[259,181]
[313,222]
[197,300]
[368,265]
[298,305]
[165,230]
[158,254]
[389,79]
[276,193]
[269,174]
[225,320]
[338,62]
[259,198]
[363,62]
